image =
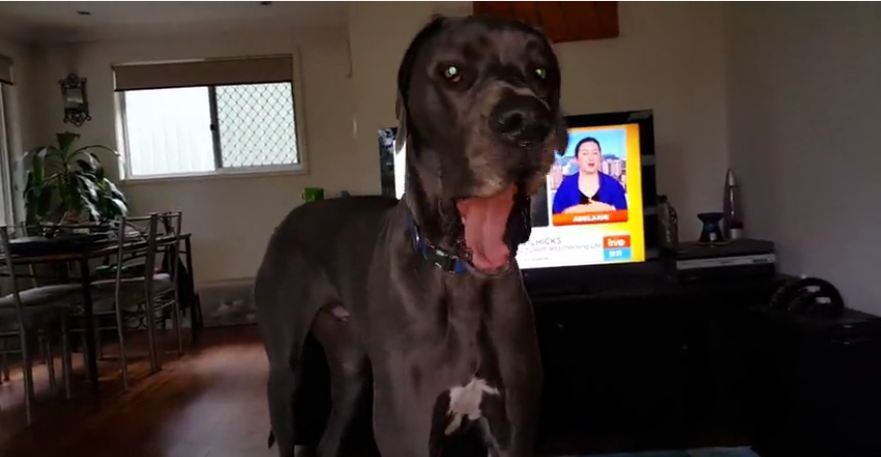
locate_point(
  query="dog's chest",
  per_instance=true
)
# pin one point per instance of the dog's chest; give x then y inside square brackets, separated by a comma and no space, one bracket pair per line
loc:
[465,402]
[470,416]
[470,419]
[453,359]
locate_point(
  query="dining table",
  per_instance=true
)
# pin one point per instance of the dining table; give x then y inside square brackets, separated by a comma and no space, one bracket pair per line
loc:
[80,252]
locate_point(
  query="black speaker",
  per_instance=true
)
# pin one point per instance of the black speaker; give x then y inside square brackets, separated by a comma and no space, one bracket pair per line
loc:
[817,394]
[807,296]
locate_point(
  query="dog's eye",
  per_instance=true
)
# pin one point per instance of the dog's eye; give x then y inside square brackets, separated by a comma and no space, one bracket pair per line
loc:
[452,73]
[541,73]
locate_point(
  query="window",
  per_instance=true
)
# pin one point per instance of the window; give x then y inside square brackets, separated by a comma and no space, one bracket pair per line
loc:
[208,116]
[6,187]
[5,181]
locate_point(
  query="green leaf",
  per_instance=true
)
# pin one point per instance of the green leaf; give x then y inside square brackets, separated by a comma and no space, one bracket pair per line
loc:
[52,178]
[118,207]
[31,216]
[37,166]
[37,197]
[114,191]
[44,202]
[50,159]
[39,159]
[31,197]
[71,197]
[84,152]
[66,140]
[29,181]
[28,155]
[99,168]
[87,151]
[96,146]
[86,166]
[92,209]
[87,184]
[50,152]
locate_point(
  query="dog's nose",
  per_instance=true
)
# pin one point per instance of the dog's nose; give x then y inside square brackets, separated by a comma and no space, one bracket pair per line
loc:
[521,119]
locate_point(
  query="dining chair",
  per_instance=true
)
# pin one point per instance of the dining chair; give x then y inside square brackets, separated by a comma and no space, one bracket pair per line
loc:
[137,290]
[26,311]
[171,224]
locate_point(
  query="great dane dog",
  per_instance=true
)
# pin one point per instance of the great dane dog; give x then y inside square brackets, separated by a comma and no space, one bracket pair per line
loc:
[420,300]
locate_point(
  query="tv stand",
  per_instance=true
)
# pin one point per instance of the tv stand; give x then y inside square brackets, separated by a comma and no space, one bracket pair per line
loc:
[668,366]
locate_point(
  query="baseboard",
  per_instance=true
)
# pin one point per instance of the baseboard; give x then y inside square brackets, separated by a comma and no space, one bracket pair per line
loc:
[227,302]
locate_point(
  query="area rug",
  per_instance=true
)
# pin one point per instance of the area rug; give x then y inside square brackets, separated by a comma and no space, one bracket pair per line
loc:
[706,452]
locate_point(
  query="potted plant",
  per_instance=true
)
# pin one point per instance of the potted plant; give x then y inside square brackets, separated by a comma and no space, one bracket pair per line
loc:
[65,184]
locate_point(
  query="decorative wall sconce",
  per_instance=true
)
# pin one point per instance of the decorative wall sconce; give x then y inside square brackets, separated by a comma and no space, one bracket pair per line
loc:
[76,102]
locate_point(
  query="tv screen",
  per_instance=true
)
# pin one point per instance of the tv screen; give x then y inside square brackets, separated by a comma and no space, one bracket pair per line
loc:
[592,207]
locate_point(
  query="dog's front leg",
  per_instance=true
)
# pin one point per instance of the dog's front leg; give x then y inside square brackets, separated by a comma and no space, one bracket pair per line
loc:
[512,329]
[523,388]
[401,419]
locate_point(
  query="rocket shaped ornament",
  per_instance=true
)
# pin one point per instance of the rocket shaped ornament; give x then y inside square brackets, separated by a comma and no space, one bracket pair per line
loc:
[732,210]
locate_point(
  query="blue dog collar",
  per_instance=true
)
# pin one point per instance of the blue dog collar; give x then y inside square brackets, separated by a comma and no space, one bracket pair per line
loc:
[440,258]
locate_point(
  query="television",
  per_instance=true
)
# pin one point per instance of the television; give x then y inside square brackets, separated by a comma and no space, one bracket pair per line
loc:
[596,214]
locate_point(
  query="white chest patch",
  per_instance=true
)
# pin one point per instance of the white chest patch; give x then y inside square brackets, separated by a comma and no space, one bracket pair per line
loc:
[465,402]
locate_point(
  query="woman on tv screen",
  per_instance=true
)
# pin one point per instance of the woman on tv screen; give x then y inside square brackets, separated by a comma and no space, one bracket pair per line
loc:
[589,190]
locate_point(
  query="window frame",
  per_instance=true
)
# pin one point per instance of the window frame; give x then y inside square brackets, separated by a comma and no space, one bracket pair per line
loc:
[299,168]
[7,200]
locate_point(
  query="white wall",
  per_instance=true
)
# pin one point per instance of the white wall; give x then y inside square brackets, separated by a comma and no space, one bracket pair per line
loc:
[669,57]
[379,33]
[805,112]
[231,218]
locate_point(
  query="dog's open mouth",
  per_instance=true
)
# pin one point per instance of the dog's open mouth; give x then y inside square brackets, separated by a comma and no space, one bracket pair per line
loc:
[485,220]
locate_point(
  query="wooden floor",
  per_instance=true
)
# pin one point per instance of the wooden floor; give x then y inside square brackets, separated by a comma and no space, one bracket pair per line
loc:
[210,402]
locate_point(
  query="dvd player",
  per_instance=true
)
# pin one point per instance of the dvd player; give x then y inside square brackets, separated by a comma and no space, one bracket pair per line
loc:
[736,258]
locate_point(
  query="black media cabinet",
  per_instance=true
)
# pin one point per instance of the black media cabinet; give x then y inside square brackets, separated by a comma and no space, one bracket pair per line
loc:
[661,365]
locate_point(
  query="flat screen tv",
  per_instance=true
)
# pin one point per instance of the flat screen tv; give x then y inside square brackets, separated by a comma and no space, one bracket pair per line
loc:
[597,211]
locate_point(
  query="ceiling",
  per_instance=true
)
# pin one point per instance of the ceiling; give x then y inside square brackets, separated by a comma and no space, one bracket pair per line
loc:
[52,22]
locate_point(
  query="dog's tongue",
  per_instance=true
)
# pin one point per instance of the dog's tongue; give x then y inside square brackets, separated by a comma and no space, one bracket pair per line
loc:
[485,220]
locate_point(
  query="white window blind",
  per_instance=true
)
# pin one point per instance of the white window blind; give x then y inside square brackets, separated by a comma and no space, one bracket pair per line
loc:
[169,131]
[208,72]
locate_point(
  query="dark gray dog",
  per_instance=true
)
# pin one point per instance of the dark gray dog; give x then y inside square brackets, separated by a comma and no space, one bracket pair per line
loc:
[421,300]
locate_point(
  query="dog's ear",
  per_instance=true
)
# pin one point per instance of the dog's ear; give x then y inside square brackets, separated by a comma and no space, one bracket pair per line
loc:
[405,71]
[401,134]
[562,135]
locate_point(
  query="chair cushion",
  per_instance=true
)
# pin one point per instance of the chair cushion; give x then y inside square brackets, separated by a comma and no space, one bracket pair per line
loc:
[131,291]
[161,283]
[40,305]
[55,295]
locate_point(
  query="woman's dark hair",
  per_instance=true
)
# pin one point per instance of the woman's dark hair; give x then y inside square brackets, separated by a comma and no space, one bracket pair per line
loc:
[589,139]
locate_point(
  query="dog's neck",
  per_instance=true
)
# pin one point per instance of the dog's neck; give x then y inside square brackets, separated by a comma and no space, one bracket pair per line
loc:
[435,216]
[444,259]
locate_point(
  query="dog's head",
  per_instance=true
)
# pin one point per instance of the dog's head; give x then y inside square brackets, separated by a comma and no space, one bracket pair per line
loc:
[479,100]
